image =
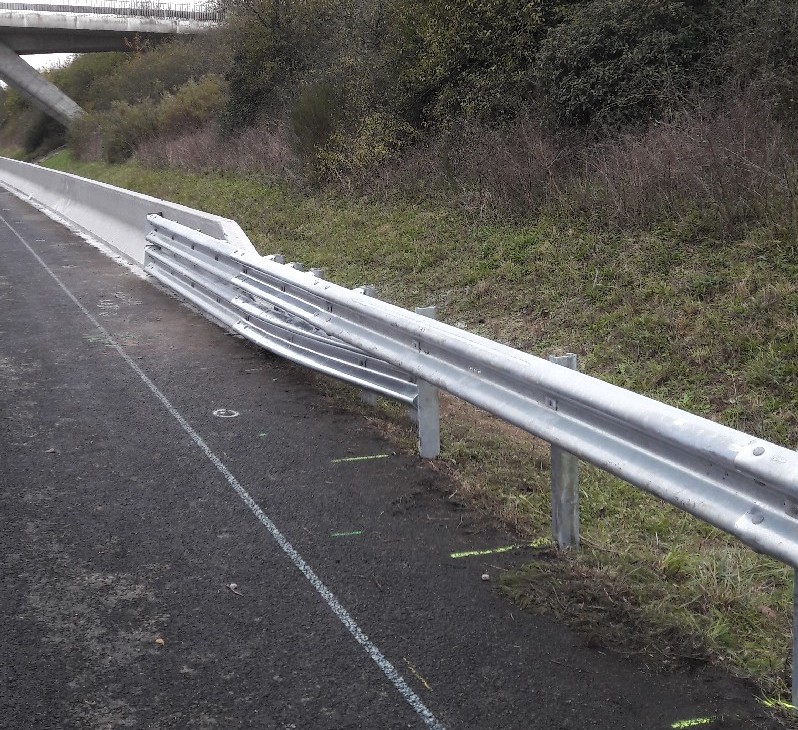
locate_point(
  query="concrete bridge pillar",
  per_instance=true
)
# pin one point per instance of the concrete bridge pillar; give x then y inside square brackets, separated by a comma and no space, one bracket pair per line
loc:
[25,79]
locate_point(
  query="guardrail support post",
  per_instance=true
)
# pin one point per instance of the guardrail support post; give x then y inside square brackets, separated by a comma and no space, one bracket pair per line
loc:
[428,408]
[564,483]
[368,396]
[794,698]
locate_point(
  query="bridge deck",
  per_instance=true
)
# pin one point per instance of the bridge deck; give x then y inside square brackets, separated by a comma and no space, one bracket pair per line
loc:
[179,11]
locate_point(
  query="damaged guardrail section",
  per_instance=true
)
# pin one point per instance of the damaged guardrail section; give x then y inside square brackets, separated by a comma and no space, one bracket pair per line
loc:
[218,279]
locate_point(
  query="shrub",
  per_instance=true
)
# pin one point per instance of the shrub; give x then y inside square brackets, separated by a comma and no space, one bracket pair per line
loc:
[273,42]
[259,150]
[728,170]
[352,159]
[80,77]
[124,127]
[314,116]
[758,49]
[154,71]
[619,62]
[42,135]
[465,58]
[192,106]
[85,137]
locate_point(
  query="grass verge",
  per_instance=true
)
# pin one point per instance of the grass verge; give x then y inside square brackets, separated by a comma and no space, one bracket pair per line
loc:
[702,324]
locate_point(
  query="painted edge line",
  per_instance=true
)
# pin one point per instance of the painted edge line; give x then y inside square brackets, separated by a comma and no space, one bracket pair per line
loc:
[337,608]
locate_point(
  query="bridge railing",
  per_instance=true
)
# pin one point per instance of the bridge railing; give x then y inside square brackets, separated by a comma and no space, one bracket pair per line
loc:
[126,8]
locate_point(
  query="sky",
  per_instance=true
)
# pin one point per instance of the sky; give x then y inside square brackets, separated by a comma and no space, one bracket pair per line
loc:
[46,60]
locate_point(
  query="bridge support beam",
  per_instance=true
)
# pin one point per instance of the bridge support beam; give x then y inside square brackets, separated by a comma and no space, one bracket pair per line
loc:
[25,79]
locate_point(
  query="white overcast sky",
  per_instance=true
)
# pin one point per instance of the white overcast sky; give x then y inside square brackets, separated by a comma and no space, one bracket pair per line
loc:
[46,60]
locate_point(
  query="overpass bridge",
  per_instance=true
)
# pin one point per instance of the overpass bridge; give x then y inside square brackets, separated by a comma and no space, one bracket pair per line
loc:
[97,26]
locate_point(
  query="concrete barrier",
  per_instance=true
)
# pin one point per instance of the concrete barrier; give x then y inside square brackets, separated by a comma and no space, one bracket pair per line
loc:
[115,216]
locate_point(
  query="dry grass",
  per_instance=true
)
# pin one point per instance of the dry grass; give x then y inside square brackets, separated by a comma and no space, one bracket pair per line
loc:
[723,170]
[262,150]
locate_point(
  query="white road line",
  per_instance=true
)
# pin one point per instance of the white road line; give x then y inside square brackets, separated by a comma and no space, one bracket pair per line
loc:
[343,615]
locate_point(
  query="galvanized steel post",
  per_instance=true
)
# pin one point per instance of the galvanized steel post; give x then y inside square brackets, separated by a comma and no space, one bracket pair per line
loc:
[795,637]
[564,482]
[428,408]
[369,397]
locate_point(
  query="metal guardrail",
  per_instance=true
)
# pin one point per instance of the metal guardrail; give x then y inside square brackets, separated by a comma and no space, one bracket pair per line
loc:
[127,9]
[745,486]
[207,272]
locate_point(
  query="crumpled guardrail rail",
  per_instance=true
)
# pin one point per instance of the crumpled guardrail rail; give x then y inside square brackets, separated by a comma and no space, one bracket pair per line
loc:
[209,273]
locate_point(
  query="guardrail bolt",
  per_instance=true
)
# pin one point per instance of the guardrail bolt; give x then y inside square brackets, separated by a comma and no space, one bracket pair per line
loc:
[564,483]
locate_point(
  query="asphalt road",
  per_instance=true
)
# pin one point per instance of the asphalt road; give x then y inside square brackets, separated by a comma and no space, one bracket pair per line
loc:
[150,462]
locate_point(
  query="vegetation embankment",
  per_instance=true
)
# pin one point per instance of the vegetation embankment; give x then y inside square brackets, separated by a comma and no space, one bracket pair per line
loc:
[612,178]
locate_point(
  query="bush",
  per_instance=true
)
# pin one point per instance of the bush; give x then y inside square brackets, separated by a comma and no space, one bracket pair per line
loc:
[273,43]
[620,62]
[80,77]
[352,159]
[758,49]
[258,150]
[471,59]
[192,106]
[43,135]
[124,127]
[85,137]
[155,71]
[314,117]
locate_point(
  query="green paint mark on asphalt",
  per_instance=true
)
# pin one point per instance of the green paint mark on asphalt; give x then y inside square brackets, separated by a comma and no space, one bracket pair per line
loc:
[693,723]
[346,534]
[361,458]
[539,543]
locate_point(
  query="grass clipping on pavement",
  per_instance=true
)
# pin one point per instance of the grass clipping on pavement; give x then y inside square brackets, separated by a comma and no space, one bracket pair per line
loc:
[705,325]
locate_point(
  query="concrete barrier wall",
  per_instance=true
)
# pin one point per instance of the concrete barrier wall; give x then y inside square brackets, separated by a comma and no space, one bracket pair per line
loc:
[114,216]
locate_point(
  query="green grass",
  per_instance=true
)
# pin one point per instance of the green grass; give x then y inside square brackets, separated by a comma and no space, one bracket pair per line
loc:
[14,154]
[705,325]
